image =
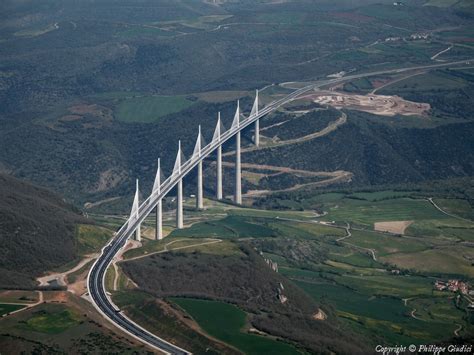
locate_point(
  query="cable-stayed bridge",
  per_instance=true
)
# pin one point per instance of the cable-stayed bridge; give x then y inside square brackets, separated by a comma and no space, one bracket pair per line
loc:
[131,228]
[153,203]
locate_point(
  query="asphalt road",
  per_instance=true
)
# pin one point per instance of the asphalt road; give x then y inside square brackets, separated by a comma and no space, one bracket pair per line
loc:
[95,282]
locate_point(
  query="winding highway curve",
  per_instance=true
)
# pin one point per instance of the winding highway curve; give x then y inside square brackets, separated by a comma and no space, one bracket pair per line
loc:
[96,277]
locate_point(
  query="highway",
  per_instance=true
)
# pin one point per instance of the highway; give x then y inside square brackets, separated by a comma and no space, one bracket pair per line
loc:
[96,277]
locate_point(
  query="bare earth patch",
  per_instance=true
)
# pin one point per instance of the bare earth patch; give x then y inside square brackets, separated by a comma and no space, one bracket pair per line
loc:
[396,227]
[320,315]
[382,105]
[94,110]
[109,179]
[69,118]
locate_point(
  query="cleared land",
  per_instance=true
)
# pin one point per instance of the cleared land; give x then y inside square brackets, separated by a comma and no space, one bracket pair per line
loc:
[382,105]
[396,227]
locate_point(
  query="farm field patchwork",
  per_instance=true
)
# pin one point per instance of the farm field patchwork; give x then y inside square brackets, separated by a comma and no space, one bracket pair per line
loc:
[346,300]
[383,298]
[387,317]
[385,244]
[366,213]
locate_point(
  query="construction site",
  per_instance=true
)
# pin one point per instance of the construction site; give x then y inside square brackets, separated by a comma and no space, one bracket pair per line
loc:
[382,105]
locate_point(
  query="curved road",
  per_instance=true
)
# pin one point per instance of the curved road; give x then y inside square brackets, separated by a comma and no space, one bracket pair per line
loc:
[96,277]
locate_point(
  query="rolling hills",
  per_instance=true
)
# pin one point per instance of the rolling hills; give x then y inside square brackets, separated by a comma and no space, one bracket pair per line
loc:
[37,232]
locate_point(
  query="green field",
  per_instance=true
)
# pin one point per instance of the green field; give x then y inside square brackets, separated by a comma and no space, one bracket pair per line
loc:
[7,308]
[440,261]
[51,322]
[186,245]
[345,299]
[150,246]
[385,244]
[357,258]
[301,230]
[448,229]
[436,309]
[150,108]
[381,195]
[385,316]
[91,238]
[387,285]
[250,212]
[143,309]
[317,229]
[365,212]
[221,96]
[225,322]
[229,227]
[457,207]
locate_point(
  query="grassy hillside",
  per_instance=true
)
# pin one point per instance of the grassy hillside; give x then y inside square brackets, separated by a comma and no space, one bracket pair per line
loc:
[62,327]
[37,232]
[225,321]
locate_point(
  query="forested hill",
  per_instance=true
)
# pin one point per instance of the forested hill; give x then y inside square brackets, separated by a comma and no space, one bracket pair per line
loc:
[37,232]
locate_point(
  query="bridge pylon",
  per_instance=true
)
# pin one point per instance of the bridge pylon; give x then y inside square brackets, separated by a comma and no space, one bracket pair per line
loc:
[216,138]
[257,122]
[135,213]
[197,154]
[179,188]
[238,168]
[159,206]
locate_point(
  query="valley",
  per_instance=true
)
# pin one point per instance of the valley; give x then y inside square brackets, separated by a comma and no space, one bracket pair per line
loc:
[325,263]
